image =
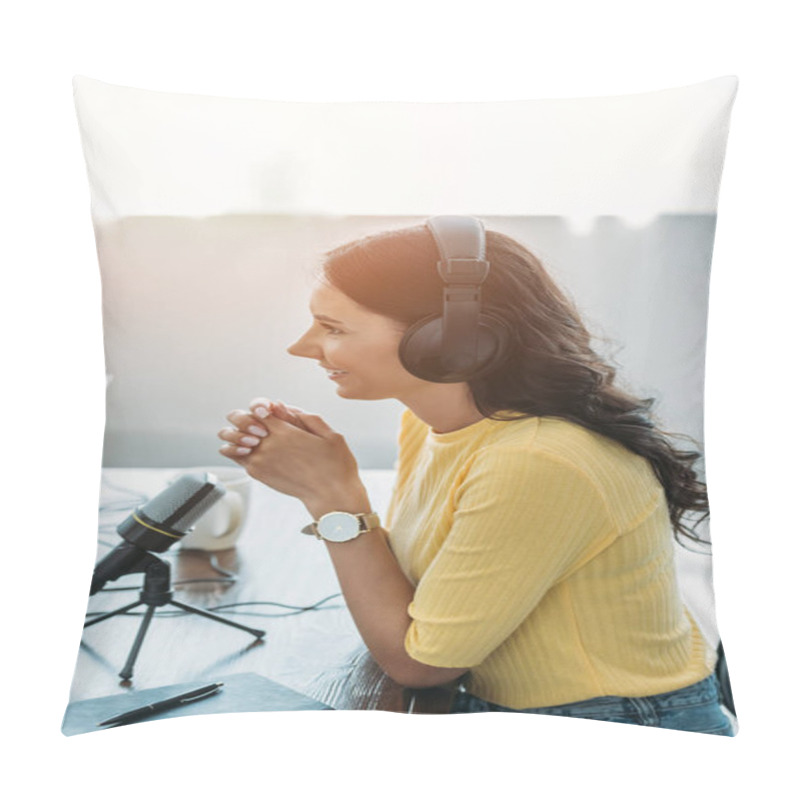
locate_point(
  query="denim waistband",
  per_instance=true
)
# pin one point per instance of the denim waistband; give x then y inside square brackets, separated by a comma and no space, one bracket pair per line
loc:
[704,691]
[693,708]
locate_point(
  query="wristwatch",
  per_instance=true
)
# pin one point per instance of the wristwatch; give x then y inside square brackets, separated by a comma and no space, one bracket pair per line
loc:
[341,526]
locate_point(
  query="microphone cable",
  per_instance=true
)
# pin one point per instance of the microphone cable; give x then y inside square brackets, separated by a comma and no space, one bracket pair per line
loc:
[295,609]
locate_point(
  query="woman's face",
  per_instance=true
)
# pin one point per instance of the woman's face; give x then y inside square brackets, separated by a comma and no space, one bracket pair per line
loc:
[360,344]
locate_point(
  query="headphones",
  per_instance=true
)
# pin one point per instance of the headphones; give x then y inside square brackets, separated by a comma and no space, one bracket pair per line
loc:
[463,342]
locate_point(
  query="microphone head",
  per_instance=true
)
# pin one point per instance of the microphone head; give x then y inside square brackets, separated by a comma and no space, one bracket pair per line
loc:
[184,501]
[169,516]
[158,524]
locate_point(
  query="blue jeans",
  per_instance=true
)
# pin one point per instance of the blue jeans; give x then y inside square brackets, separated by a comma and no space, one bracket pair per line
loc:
[694,708]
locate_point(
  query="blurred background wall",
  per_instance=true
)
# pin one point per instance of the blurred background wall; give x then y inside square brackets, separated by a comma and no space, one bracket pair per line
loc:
[199,311]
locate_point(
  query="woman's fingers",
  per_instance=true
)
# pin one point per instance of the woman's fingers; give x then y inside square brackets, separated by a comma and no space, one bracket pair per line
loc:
[242,438]
[261,407]
[244,443]
[246,423]
[248,428]
[314,423]
[234,452]
[292,414]
[278,409]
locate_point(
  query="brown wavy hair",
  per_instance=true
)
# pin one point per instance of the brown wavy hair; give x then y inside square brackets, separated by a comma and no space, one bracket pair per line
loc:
[552,369]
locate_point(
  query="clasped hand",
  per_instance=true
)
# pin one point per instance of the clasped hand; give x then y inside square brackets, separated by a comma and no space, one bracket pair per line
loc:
[291,451]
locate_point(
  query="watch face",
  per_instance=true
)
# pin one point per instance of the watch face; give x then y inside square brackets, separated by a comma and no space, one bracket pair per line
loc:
[338,526]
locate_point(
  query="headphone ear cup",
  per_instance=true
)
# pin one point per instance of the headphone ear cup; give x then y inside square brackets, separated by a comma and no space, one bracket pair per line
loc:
[421,347]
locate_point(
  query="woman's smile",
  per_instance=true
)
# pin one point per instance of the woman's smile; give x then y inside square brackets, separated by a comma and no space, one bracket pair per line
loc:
[333,373]
[349,336]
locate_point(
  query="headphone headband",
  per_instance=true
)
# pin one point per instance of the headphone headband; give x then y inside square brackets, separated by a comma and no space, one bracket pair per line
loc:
[462,343]
[458,237]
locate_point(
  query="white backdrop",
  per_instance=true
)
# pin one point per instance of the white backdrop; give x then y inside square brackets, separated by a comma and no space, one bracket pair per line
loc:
[620,155]
[54,394]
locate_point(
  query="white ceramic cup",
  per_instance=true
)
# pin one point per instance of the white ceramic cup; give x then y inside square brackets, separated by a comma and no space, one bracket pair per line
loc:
[220,527]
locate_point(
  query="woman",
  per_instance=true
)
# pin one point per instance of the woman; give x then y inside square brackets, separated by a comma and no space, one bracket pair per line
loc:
[528,547]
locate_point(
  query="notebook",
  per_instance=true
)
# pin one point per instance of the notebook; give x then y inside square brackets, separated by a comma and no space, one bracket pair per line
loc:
[244,691]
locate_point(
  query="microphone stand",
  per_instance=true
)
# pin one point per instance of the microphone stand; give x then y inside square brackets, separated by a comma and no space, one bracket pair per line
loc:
[156,592]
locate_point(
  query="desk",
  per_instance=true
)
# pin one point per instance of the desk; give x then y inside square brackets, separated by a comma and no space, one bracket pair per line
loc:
[319,653]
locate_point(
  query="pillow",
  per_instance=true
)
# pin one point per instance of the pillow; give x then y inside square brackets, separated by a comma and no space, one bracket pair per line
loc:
[217,221]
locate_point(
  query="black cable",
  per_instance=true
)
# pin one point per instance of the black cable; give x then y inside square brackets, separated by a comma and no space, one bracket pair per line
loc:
[313,607]
[297,609]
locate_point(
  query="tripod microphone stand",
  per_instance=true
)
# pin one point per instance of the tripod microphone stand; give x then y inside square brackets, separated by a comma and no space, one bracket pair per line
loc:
[156,592]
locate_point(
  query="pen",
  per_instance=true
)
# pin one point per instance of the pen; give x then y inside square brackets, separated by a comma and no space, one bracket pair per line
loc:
[164,705]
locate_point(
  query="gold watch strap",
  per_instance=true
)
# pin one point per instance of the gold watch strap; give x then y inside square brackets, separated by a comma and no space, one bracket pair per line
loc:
[367,521]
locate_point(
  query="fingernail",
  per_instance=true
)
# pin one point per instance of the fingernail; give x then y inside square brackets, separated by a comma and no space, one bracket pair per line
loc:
[257,430]
[262,412]
[242,451]
[251,440]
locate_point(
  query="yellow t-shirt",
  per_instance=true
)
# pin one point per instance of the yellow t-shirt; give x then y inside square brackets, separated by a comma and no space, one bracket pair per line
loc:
[543,560]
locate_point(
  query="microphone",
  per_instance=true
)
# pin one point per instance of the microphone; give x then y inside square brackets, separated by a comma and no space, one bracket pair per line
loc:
[158,524]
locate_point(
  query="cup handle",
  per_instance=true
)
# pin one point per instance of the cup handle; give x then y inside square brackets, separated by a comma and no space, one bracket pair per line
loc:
[234,504]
